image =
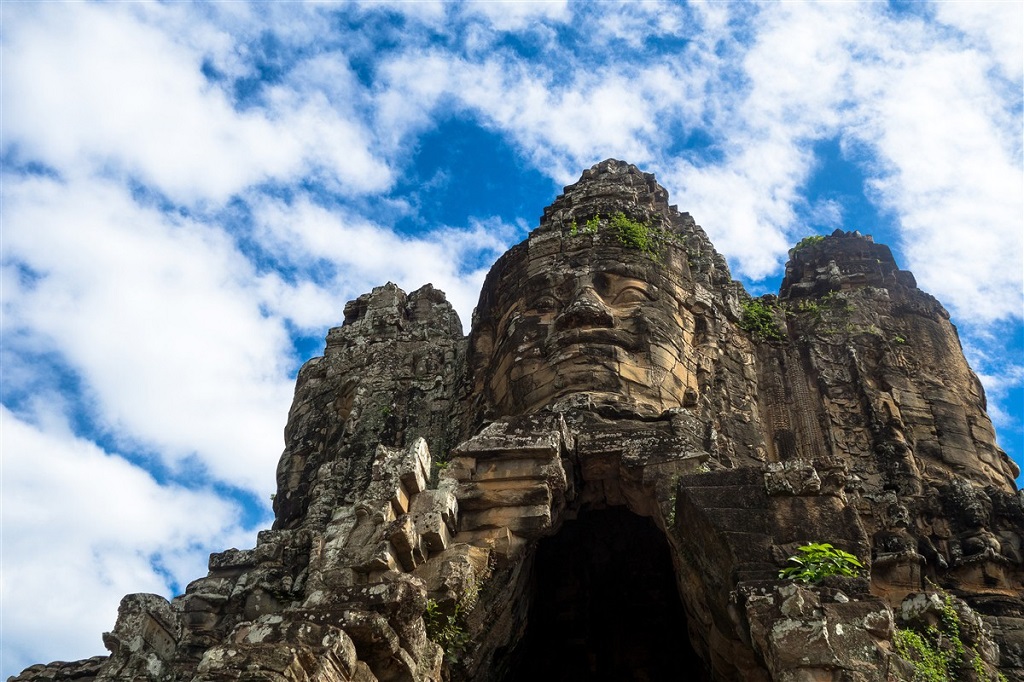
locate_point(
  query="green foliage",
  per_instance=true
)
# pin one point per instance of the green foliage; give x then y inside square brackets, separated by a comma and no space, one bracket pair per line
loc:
[446,629]
[812,308]
[837,303]
[635,234]
[830,314]
[930,663]
[436,469]
[631,233]
[899,340]
[938,653]
[820,560]
[759,319]
[808,241]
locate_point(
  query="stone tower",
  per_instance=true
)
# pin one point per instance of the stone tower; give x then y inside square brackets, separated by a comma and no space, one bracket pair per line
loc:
[603,481]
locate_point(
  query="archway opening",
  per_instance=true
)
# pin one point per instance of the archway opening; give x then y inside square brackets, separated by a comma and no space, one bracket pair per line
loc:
[605,606]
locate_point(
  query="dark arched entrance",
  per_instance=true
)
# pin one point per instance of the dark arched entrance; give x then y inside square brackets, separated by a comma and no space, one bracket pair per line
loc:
[605,606]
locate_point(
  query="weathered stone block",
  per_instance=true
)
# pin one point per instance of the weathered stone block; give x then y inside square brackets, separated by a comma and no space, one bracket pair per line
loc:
[527,521]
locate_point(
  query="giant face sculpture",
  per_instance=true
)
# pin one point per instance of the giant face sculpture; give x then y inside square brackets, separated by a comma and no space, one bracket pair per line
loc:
[565,315]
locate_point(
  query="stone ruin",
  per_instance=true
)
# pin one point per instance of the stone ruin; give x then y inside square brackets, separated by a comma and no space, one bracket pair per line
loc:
[604,479]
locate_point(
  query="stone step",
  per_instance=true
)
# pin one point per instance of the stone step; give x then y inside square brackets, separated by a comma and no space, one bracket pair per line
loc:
[754,570]
[517,469]
[747,476]
[526,521]
[499,540]
[753,545]
[477,495]
[728,496]
[738,519]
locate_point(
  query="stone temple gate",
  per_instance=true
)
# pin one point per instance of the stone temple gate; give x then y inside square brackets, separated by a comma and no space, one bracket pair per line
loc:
[603,480]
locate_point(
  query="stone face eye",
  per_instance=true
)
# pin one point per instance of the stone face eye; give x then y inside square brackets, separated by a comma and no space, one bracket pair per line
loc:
[545,303]
[631,295]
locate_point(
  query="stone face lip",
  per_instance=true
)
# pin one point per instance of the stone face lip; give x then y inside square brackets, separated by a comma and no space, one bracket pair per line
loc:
[604,479]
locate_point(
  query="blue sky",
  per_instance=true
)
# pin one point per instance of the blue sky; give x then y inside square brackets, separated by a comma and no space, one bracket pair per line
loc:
[191,193]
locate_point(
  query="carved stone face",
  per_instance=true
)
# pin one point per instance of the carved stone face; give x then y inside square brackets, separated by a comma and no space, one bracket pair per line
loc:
[603,320]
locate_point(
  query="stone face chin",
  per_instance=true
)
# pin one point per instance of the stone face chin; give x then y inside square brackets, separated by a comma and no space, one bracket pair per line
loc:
[603,481]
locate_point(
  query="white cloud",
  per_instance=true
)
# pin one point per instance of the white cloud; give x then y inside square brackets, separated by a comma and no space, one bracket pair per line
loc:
[365,254]
[515,15]
[161,318]
[954,178]
[94,89]
[82,528]
[994,25]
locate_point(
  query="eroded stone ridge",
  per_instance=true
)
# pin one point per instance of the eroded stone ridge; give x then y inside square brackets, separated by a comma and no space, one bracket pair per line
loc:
[617,430]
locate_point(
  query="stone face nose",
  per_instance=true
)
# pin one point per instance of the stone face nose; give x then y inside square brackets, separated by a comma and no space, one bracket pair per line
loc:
[586,309]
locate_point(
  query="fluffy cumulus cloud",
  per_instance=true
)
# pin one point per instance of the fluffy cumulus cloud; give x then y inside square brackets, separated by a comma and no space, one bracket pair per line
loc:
[159,315]
[191,193]
[83,527]
[109,92]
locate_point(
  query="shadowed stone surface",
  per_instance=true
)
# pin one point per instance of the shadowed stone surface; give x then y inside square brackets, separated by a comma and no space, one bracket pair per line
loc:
[604,478]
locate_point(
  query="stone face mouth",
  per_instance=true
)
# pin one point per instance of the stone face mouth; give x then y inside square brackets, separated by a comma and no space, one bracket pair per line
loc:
[593,337]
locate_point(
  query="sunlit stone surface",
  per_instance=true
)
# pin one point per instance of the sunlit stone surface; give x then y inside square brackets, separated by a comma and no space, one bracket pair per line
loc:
[604,479]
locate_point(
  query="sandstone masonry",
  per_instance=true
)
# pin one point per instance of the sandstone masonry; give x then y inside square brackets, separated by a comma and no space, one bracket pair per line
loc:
[603,480]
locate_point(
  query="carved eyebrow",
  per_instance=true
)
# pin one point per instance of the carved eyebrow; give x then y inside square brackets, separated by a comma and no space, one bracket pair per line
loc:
[623,269]
[544,280]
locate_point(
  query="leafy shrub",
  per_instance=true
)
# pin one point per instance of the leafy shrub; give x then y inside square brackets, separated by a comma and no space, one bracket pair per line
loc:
[446,629]
[820,560]
[634,234]
[759,319]
[808,241]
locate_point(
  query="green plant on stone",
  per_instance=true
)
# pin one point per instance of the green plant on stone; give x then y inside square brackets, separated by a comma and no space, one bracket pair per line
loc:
[812,308]
[634,234]
[446,629]
[808,241]
[759,319]
[819,560]
[837,302]
[937,652]
[590,227]
[436,469]
[930,663]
